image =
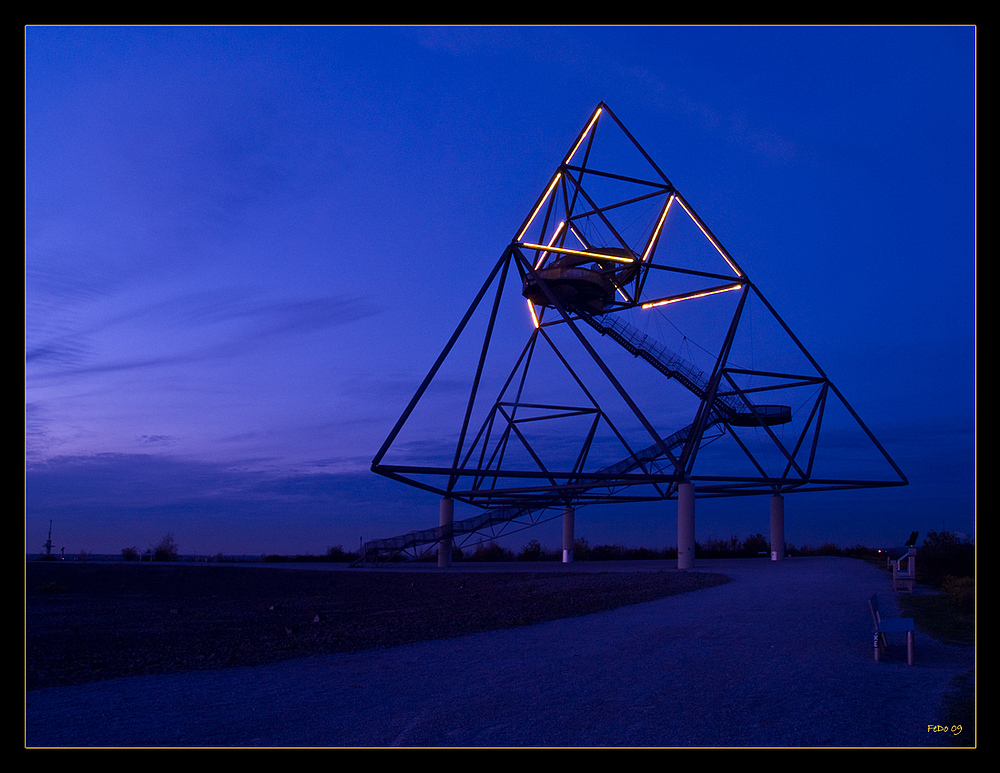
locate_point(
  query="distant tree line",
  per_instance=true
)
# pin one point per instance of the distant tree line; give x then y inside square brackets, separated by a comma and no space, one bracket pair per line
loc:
[944,560]
[942,554]
[333,555]
[584,551]
[948,562]
[164,550]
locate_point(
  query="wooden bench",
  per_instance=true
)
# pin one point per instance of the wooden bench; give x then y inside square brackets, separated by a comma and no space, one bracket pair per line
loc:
[904,570]
[891,625]
[903,562]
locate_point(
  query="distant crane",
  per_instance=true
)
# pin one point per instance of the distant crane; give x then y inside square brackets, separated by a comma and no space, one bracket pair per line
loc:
[48,544]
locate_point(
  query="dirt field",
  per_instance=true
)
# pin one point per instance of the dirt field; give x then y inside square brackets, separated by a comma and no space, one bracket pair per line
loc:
[89,622]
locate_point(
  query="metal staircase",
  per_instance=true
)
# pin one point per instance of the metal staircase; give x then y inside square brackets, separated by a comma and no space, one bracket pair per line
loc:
[383,550]
[731,409]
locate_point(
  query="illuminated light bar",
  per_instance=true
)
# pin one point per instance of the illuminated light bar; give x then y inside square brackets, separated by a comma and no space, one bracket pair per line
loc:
[540,202]
[534,317]
[659,226]
[709,236]
[582,253]
[542,256]
[579,238]
[688,296]
[584,134]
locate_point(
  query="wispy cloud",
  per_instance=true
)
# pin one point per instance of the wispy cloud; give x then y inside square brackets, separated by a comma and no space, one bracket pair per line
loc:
[208,325]
[104,502]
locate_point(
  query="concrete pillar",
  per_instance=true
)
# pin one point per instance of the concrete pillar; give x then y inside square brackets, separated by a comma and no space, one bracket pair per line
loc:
[777,527]
[685,526]
[447,519]
[569,537]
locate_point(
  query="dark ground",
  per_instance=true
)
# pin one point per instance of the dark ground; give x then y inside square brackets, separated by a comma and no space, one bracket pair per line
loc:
[90,622]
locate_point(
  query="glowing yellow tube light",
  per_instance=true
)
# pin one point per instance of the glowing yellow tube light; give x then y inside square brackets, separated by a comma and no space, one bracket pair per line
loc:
[542,256]
[552,185]
[709,236]
[659,227]
[579,238]
[689,296]
[534,317]
[583,136]
[565,251]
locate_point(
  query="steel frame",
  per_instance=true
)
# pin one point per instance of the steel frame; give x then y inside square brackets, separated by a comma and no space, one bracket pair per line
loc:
[478,477]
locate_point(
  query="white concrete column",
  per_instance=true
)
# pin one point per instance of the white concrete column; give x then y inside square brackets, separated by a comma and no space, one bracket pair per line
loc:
[685,526]
[777,527]
[569,537]
[447,513]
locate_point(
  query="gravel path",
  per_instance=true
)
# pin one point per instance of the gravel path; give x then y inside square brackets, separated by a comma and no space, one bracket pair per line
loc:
[780,656]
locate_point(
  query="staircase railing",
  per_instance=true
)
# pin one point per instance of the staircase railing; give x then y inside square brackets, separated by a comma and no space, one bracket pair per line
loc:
[667,362]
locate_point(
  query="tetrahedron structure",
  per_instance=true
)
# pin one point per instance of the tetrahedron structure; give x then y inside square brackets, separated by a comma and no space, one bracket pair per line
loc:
[617,352]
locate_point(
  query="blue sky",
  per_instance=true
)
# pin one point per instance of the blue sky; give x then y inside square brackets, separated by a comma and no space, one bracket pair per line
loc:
[244,248]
